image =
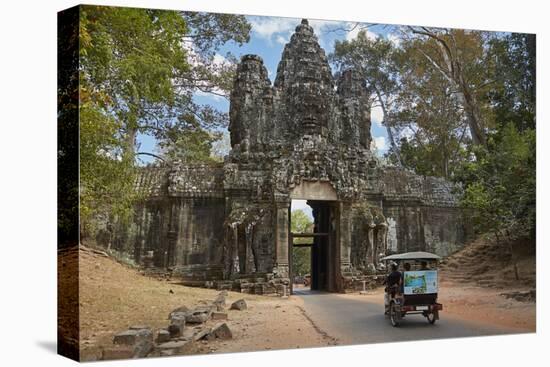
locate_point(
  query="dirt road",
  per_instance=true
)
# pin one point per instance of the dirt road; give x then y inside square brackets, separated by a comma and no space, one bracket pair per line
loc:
[359,319]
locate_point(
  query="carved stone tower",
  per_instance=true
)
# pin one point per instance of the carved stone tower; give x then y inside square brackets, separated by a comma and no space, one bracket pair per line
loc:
[306,136]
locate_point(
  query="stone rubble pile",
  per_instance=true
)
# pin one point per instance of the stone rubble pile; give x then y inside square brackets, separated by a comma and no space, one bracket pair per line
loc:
[206,322]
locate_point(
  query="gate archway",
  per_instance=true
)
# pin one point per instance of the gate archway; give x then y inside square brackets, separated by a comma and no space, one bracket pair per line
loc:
[325,247]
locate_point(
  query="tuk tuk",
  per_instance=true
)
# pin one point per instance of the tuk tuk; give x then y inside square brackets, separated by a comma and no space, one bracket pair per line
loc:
[416,293]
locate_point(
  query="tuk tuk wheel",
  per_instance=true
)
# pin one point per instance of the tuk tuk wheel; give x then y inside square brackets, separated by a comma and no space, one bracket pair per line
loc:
[395,316]
[432,317]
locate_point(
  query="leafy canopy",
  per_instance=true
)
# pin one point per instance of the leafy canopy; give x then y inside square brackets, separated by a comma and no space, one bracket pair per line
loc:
[139,70]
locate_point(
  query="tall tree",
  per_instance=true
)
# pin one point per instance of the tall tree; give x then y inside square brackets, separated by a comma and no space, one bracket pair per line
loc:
[501,186]
[428,116]
[148,64]
[139,70]
[501,183]
[458,55]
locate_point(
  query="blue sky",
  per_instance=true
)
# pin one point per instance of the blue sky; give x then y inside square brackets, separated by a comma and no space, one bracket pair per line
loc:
[268,37]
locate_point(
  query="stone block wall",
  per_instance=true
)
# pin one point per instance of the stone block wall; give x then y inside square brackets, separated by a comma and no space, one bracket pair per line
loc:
[229,220]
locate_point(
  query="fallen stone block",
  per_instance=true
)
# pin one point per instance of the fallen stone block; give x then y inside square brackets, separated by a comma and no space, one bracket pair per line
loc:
[219,316]
[220,331]
[206,305]
[127,337]
[201,334]
[219,301]
[199,315]
[139,341]
[177,310]
[144,343]
[177,324]
[174,331]
[163,336]
[188,334]
[176,347]
[239,305]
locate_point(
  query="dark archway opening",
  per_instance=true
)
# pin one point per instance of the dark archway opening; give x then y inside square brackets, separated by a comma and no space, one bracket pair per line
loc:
[320,243]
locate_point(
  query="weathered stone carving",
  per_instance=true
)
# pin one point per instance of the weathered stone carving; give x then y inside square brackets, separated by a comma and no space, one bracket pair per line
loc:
[372,229]
[240,234]
[229,222]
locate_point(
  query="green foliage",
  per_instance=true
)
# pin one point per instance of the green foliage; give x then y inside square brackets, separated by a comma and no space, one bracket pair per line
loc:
[425,106]
[129,59]
[300,222]
[513,95]
[501,183]
[106,174]
[429,105]
[301,256]
[195,145]
[372,58]
[439,157]
[301,260]
[139,69]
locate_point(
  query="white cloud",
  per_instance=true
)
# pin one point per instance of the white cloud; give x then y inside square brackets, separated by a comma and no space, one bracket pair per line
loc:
[267,27]
[281,40]
[279,30]
[376,115]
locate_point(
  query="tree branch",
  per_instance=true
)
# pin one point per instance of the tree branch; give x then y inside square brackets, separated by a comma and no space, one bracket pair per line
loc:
[151,155]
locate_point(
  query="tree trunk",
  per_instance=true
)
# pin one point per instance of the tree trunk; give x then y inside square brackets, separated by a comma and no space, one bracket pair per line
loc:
[472,113]
[513,256]
[130,138]
[452,71]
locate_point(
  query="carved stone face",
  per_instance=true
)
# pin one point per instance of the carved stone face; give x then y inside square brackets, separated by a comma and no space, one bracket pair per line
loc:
[305,79]
[311,104]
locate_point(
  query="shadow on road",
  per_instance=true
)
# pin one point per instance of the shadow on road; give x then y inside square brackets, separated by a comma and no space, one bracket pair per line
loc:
[306,291]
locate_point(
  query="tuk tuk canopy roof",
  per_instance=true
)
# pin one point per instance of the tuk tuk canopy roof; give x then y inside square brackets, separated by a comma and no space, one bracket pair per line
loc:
[416,255]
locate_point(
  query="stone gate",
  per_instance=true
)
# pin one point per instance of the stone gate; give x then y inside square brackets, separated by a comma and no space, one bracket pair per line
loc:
[305,136]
